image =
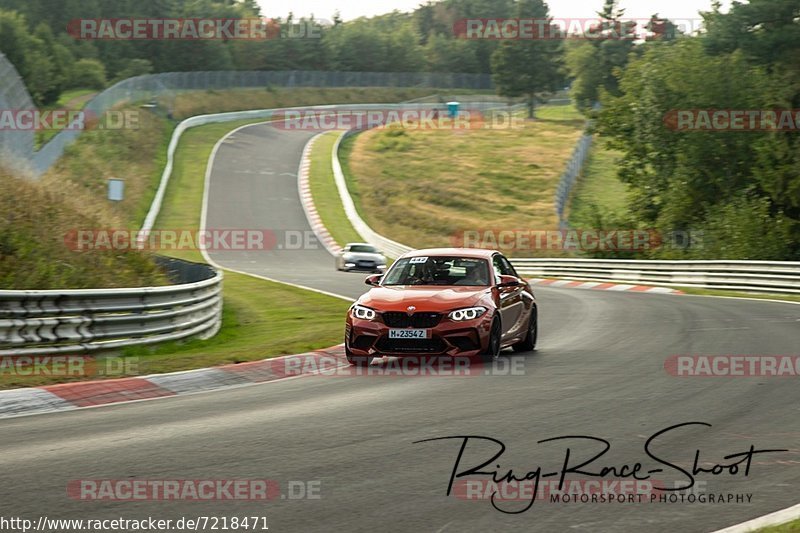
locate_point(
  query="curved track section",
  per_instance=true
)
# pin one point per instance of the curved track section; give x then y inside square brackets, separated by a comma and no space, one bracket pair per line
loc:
[253,185]
[599,371]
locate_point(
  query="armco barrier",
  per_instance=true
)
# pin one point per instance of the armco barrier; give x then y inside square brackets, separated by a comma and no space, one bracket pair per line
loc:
[570,176]
[163,86]
[755,276]
[86,320]
[267,114]
[16,146]
[387,246]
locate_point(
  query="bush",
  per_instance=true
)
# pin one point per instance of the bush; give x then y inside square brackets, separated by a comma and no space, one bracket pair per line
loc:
[745,229]
[34,253]
[135,67]
[88,73]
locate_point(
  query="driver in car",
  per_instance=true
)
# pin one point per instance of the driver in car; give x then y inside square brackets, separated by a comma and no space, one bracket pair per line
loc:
[423,274]
[473,278]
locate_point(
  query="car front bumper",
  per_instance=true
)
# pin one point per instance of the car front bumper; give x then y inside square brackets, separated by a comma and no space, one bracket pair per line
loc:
[356,268]
[449,338]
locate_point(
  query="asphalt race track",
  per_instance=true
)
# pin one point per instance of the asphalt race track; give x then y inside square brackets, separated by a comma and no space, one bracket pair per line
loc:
[252,187]
[599,371]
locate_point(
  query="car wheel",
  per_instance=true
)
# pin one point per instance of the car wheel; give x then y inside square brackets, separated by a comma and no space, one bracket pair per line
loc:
[357,360]
[529,343]
[492,352]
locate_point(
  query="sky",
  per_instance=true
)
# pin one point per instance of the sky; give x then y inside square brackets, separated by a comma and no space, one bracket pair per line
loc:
[351,9]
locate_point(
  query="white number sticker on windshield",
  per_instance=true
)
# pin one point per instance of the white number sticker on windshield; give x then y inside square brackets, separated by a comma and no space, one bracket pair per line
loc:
[415,260]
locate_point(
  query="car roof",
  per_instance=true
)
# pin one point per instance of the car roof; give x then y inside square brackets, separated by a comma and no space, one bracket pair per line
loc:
[477,253]
[358,244]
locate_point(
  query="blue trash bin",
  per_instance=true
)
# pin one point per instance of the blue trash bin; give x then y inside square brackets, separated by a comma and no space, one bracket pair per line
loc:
[452,109]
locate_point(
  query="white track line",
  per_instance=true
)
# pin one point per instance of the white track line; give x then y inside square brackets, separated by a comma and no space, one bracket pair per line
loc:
[773,519]
[204,214]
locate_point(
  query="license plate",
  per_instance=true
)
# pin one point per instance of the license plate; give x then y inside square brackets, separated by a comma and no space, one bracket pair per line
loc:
[408,334]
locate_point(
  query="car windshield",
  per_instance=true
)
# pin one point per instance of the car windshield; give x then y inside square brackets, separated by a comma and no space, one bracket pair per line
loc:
[363,249]
[456,271]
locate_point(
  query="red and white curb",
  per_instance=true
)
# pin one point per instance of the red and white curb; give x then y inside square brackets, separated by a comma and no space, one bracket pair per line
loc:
[69,396]
[601,286]
[308,201]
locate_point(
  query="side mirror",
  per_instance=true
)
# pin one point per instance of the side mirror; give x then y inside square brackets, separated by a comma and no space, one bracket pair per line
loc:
[373,280]
[509,281]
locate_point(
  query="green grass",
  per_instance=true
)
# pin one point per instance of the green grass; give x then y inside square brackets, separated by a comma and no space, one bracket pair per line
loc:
[187,103]
[559,113]
[137,155]
[75,98]
[790,527]
[325,193]
[556,112]
[261,319]
[38,234]
[599,188]
[739,294]
[426,186]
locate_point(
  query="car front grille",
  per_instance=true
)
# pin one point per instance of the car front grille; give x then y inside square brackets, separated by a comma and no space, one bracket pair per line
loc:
[417,320]
[388,345]
[366,264]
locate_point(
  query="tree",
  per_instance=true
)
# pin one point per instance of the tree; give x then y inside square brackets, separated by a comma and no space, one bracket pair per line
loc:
[595,62]
[32,57]
[529,67]
[88,73]
[60,63]
[136,67]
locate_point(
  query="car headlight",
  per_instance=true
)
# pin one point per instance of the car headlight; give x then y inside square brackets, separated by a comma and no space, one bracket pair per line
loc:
[470,313]
[363,313]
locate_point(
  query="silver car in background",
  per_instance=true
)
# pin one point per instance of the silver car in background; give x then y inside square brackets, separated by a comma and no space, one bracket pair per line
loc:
[361,257]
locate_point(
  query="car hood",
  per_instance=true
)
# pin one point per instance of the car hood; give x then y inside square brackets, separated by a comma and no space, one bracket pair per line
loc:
[425,299]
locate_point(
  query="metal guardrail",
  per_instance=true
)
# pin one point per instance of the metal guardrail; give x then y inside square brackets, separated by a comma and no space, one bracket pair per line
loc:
[86,320]
[16,146]
[570,176]
[389,247]
[756,276]
[164,86]
[266,114]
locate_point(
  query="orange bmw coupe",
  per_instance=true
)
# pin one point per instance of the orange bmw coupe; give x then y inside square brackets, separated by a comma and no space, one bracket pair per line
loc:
[443,302]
